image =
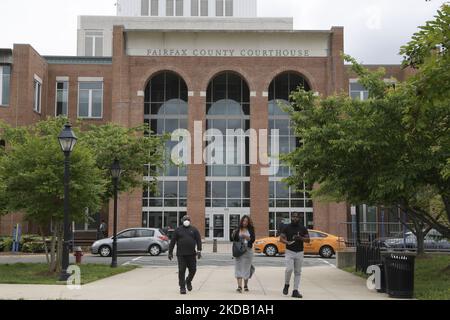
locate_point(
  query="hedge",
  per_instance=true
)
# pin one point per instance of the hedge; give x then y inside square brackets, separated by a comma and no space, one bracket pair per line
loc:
[29,243]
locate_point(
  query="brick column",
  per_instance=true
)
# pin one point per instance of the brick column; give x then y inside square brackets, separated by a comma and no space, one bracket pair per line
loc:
[259,185]
[196,172]
[120,79]
[129,204]
[336,71]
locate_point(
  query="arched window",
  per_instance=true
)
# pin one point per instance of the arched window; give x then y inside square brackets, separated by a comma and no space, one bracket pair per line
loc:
[166,110]
[228,108]
[284,200]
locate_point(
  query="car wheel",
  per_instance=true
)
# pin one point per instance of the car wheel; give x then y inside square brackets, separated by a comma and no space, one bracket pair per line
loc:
[154,250]
[271,250]
[326,252]
[104,251]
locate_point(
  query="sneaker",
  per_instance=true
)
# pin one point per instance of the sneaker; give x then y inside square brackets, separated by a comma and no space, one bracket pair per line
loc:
[189,286]
[286,290]
[246,289]
[183,291]
[296,294]
[239,289]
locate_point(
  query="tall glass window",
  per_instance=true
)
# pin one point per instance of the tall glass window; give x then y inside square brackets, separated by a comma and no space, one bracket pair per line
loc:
[229,8]
[166,110]
[90,99]
[179,8]
[224,8]
[283,198]
[219,8]
[154,8]
[94,43]
[204,8]
[194,8]
[228,108]
[144,7]
[62,98]
[37,95]
[5,84]
[169,7]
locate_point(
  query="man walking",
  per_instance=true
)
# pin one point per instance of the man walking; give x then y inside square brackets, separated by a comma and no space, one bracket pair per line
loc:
[294,235]
[186,238]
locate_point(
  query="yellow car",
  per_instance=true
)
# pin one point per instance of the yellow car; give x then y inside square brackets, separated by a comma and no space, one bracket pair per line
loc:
[321,243]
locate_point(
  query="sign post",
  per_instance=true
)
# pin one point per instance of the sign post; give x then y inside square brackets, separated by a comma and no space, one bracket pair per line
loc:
[17,233]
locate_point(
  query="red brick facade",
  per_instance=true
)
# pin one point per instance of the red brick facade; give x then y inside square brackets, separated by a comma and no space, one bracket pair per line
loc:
[128,75]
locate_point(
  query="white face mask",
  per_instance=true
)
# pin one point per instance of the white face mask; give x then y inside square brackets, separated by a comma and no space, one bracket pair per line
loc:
[186,223]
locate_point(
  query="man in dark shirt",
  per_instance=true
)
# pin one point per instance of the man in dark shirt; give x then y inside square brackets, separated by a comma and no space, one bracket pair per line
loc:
[186,238]
[294,235]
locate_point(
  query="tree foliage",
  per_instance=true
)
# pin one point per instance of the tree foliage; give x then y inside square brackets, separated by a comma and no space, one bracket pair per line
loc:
[132,147]
[32,170]
[392,149]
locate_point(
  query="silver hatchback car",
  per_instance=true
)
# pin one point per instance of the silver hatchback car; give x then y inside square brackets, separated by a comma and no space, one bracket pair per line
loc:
[134,240]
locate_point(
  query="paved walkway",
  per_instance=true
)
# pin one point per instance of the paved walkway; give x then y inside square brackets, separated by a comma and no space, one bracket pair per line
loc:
[211,283]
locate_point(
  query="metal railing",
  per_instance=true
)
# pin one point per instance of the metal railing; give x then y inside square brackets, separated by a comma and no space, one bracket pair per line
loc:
[367,255]
[390,237]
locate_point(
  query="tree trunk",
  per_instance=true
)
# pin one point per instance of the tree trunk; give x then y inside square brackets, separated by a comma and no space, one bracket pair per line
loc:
[426,218]
[47,258]
[420,235]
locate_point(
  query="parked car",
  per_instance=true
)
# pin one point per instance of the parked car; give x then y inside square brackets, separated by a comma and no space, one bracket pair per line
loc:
[322,243]
[433,241]
[135,240]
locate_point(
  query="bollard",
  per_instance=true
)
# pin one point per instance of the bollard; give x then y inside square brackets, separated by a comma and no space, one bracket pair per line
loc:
[215,246]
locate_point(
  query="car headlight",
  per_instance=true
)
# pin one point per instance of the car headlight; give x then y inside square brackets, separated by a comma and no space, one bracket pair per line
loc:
[259,242]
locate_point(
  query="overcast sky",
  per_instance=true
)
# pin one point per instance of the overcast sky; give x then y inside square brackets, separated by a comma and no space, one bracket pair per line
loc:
[374,29]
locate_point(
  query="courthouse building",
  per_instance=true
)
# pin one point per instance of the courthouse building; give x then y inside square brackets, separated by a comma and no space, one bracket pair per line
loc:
[170,63]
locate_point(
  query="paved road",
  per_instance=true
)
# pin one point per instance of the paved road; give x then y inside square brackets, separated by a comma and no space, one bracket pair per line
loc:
[209,259]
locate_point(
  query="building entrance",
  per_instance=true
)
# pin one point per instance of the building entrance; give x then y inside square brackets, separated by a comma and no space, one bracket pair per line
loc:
[220,223]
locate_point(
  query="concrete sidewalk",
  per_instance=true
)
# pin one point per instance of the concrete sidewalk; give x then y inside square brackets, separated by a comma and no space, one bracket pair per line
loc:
[211,283]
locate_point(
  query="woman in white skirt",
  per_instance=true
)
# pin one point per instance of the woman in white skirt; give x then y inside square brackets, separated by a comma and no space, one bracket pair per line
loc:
[243,265]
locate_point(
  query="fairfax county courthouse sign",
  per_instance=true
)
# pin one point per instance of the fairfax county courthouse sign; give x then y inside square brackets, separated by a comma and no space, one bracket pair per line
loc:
[227,44]
[229,52]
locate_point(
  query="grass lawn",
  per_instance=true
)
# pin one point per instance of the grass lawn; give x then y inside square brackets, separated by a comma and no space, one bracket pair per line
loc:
[431,277]
[37,273]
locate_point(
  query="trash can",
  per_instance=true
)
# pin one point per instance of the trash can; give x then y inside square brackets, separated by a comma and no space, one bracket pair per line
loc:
[399,272]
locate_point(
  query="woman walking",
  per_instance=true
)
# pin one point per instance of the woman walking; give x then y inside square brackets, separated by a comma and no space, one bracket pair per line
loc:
[243,264]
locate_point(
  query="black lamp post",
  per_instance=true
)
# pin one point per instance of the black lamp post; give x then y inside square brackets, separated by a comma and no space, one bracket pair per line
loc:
[358,226]
[67,140]
[116,171]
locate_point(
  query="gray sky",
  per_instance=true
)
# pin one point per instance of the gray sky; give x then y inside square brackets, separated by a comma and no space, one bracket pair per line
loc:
[374,29]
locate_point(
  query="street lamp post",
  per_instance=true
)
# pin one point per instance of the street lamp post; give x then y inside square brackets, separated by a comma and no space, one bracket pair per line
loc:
[67,141]
[116,171]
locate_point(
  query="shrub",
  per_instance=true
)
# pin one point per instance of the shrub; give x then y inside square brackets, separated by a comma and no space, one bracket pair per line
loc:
[33,247]
[6,244]
[30,238]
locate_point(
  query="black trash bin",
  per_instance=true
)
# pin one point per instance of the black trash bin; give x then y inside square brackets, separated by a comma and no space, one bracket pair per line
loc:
[399,272]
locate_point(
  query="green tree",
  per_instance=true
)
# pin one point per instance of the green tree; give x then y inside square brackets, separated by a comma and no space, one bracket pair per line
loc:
[32,167]
[133,147]
[31,179]
[392,149]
